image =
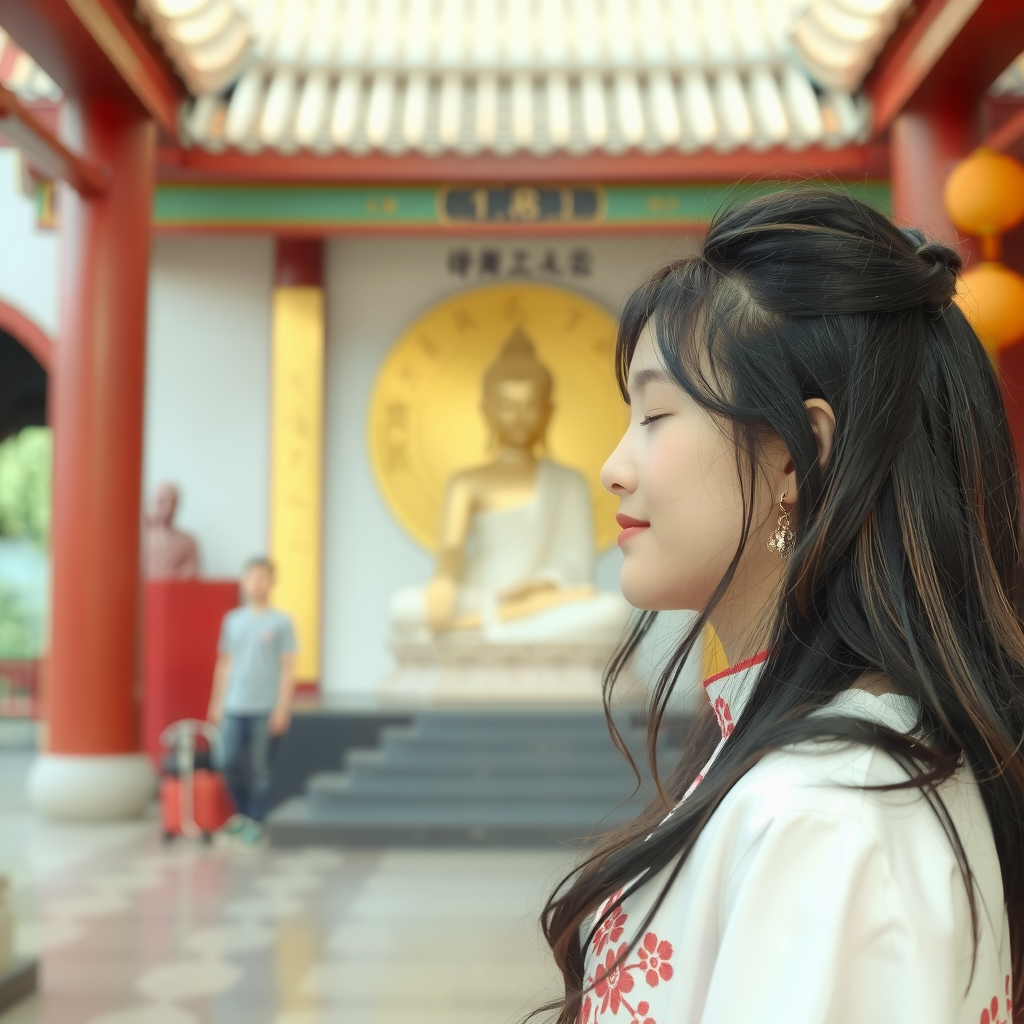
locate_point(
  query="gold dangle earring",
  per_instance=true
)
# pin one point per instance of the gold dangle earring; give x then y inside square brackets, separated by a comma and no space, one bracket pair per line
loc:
[783,540]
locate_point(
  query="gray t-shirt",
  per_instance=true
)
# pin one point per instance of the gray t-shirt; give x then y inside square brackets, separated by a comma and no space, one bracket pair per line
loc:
[255,641]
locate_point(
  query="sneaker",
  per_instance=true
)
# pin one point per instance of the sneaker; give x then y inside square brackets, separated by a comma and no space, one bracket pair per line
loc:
[251,836]
[230,830]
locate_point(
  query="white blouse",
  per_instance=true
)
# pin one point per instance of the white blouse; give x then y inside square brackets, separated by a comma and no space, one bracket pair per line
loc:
[807,900]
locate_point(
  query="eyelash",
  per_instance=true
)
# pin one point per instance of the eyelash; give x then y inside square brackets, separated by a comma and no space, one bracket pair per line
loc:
[648,420]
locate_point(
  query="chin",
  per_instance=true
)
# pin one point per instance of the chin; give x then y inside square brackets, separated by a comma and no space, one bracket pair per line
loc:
[640,594]
[649,594]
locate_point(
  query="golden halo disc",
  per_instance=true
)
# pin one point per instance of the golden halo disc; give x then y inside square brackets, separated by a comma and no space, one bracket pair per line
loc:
[425,422]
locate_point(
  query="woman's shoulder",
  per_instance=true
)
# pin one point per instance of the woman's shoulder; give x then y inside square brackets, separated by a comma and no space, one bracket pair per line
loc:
[822,781]
[827,780]
[810,772]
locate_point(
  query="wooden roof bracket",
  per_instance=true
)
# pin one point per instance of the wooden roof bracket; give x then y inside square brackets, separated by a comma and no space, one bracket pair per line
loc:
[1007,135]
[26,131]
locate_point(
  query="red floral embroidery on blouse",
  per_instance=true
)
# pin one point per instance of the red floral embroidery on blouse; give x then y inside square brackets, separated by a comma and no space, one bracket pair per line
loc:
[585,1010]
[642,1008]
[724,715]
[693,785]
[654,959]
[611,927]
[990,1015]
[614,980]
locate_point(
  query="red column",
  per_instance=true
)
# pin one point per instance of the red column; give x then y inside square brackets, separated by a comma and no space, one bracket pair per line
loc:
[91,767]
[924,146]
[298,262]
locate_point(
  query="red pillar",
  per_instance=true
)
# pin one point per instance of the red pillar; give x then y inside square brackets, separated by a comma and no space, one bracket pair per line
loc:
[924,146]
[92,766]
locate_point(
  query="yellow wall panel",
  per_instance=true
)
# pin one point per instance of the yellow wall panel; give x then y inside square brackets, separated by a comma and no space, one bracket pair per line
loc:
[296,500]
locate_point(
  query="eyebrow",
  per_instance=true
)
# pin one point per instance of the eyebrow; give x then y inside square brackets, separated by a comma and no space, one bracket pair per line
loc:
[639,380]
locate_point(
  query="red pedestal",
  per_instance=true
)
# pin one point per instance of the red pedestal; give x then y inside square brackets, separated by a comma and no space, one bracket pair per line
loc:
[182,624]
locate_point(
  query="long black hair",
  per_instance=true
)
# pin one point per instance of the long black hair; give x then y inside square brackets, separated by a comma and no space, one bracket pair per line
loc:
[908,548]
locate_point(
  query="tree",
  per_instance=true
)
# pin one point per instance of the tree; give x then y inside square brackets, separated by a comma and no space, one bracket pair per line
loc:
[25,483]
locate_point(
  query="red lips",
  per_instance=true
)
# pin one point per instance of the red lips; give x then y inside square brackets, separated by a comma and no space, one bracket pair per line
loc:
[630,527]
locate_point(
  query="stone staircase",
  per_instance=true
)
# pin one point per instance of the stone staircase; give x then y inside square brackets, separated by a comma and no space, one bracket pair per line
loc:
[470,778]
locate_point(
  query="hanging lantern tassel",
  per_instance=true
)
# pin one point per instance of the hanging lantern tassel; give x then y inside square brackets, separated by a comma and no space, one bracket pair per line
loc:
[992,298]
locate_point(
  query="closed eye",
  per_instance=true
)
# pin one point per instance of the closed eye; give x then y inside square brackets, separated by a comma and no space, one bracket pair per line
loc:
[648,420]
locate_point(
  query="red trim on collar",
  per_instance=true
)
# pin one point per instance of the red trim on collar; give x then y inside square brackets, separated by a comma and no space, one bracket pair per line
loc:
[738,667]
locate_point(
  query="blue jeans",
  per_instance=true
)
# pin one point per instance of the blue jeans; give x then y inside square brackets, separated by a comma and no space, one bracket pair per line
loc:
[248,778]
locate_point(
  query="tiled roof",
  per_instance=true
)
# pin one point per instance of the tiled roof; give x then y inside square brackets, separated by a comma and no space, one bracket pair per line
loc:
[21,74]
[209,41]
[500,76]
[838,40]
[396,113]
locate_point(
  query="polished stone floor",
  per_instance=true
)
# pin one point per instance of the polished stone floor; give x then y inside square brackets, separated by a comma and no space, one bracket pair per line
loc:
[132,932]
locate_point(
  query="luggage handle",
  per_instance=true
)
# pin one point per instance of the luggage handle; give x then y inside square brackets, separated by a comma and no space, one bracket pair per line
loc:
[181,736]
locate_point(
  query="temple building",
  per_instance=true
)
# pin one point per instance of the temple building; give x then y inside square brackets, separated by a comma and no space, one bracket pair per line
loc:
[264,207]
[335,284]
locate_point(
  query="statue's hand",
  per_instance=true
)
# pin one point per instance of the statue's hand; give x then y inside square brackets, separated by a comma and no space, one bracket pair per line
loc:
[440,595]
[521,591]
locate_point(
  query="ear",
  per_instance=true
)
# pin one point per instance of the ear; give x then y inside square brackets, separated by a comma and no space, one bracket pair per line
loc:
[823,426]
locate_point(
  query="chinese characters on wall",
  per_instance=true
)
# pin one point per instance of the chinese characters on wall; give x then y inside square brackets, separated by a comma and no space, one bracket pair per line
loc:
[491,262]
[522,204]
[296,460]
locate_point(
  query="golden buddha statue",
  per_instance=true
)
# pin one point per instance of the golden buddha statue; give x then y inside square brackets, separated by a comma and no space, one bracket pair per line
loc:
[516,556]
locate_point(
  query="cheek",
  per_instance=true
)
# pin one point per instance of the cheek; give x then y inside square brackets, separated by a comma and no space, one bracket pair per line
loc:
[691,497]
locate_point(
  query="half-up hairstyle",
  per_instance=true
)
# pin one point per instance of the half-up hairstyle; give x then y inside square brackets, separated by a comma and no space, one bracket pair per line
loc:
[908,552]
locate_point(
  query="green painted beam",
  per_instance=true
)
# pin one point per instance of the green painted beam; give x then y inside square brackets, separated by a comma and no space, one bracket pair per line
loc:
[328,207]
[697,204]
[288,205]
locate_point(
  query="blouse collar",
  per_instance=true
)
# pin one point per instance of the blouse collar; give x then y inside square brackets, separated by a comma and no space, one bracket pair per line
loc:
[729,691]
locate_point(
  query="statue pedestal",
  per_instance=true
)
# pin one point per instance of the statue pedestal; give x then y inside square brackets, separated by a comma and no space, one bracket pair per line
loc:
[461,671]
[181,626]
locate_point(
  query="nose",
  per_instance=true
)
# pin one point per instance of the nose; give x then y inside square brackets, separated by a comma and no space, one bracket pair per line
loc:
[619,474]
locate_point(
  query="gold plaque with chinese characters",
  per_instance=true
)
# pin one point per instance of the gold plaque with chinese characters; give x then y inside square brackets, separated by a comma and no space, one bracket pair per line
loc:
[425,422]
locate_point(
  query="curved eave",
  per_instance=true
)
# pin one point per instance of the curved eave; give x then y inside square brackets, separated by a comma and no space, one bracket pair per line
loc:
[859,160]
[406,113]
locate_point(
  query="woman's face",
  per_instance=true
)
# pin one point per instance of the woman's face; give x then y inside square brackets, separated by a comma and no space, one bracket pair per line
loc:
[675,473]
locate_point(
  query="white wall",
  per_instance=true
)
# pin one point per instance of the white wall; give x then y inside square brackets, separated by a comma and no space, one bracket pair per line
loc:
[376,287]
[208,390]
[28,255]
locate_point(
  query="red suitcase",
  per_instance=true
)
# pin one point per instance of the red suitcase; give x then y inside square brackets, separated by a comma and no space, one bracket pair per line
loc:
[208,809]
[194,799]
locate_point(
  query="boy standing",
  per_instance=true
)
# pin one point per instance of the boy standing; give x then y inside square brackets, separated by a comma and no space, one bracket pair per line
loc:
[251,699]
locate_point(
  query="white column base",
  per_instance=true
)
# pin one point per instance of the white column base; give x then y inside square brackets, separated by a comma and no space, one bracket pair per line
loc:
[91,787]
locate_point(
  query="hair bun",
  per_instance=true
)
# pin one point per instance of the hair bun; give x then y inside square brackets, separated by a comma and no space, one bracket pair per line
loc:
[945,263]
[941,255]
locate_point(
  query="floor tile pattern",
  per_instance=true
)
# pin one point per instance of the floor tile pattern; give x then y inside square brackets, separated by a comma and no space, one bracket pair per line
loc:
[134,932]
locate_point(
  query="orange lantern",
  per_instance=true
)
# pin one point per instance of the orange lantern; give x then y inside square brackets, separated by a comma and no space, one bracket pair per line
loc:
[985,196]
[992,298]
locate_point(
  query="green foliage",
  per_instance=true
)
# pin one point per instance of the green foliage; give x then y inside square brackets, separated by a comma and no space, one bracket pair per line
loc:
[25,475]
[21,627]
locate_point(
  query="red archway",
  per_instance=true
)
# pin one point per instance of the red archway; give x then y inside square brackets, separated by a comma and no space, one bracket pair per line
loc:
[28,333]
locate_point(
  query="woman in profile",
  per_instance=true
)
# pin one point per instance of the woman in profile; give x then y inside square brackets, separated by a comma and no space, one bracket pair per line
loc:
[818,461]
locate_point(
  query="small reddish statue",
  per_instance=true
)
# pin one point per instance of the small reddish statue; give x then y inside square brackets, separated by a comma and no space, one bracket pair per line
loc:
[167,553]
